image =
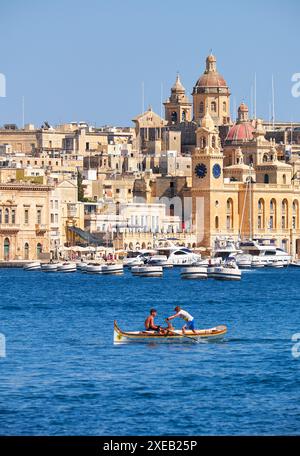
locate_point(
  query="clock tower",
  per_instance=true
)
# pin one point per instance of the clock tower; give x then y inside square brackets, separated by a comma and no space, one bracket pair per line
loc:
[207,179]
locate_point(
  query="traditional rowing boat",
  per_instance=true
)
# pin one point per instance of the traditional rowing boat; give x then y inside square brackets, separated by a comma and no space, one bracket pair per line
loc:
[121,337]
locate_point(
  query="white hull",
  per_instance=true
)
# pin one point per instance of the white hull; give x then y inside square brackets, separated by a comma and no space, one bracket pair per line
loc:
[67,267]
[223,273]
[147,271]
[193,272]
[81,266]
[94,269]
[112,269]
[49,267]
[36,265]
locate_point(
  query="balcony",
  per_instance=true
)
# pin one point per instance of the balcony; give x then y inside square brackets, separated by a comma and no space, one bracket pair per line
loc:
[9,228]
[40,228]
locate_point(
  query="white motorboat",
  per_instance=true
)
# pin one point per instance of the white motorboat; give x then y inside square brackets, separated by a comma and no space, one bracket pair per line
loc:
[160,260]
[137,258]
[49,267]
[33,266]
[228,271]
[93,268]
[193,272]
[147,271]
[66,267]
[116,268]
[265,250]
[179,256]
[81,265]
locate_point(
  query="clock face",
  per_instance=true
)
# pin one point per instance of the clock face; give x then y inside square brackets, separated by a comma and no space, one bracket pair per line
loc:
[200,170]
[216,170]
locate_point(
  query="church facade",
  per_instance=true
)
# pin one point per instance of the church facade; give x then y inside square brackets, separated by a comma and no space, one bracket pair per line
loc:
[243,187]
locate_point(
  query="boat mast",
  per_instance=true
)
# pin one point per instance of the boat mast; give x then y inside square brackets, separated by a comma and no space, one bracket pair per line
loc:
[250,202]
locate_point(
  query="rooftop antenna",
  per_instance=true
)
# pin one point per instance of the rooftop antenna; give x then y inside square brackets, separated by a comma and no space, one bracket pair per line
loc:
[254,96]
[23,112]
[251,102]
[161,99]
[143,96]
[273,104]
[234,108]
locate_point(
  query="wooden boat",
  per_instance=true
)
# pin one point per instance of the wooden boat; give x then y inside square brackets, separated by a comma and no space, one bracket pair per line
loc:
[121,337]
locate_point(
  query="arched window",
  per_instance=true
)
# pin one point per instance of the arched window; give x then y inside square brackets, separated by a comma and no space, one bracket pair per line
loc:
[201,107]
[213,142]
[39,249]
[272,222]
[6,246]
[261,214]
[0,215]
[183,116]
[265,158]
[295,219]
[174,116]
[224,106]
[266,178]
[284,179]
[217,222]
[213,106]
[172,210]
[229,214]
[250,159]
[6,216]
[203,142]
[284,214]
[26,251]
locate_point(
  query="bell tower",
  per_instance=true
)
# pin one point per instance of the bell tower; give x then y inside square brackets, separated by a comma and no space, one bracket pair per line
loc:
[177,107]
[207,181]
[207,158]
[211,93]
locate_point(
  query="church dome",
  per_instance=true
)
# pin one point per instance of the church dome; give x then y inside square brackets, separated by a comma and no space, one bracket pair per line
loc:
[210,77]
[178,87]
[243,129]
[240,132]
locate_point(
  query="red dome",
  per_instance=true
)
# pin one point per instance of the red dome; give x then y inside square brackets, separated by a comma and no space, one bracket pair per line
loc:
[211,79]
[240,132]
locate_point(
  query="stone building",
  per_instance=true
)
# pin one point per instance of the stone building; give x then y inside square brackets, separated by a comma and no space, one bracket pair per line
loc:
[24,221]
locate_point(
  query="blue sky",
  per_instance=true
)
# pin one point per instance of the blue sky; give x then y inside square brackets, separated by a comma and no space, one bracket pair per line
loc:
[86,60]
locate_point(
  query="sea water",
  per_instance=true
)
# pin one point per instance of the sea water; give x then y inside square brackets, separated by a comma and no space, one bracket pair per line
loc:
[61,373]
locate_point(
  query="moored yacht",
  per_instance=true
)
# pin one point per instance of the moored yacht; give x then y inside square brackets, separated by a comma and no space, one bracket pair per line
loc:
[267,252]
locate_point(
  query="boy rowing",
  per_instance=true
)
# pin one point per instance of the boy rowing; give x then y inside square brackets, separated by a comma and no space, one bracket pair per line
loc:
[188,318]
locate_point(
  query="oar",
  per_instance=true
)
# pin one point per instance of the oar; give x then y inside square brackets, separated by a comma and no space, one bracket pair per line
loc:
[184,335]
